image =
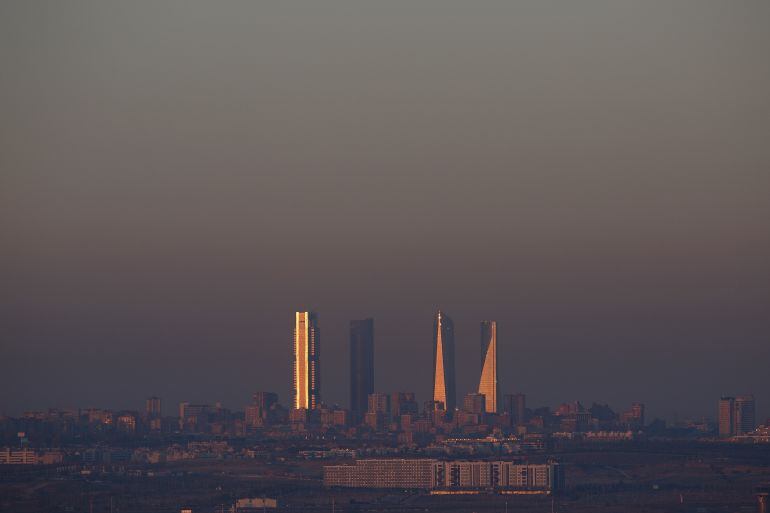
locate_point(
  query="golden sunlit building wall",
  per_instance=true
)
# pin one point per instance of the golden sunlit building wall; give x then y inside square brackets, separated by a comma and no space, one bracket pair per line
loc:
[488,386]
[306,378]
[444,362]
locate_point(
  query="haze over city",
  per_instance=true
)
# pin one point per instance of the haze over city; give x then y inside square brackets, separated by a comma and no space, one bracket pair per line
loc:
[176,182]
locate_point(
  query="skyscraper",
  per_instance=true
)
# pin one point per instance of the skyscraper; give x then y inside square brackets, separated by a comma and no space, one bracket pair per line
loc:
[516,406]
[152,407]
[306,382]
[475,403]
[444,362]
[488,382]
[726,416]
[361,366]
[745,421]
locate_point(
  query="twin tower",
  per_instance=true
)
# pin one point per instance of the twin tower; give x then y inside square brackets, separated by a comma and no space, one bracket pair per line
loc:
[444,384]
[306,382]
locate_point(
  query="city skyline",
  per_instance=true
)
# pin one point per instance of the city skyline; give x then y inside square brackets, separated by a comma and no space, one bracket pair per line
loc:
[593,179]
[533,235]
[306,324]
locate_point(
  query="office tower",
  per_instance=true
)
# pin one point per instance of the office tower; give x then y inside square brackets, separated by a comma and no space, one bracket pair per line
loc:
[306,382]
[265,400]
[260,411]
[744,422]
[444,362]
[403,403]
[379,403]
[726,416]
[475,403]
[633,418]
[515,405]
[152,407]
[194,417]
[378,411]
[361,365]
[488,382]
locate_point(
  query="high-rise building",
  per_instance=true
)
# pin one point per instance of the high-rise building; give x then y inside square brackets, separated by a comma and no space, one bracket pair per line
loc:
[306,348]
[258,413]
[152,407]
[265,400]
[488,386]
[475,403]
[361,365]
[726,416]
[379,403]
[444,362]
[194,417]
[516,406]
[745,419]
[378,412]
[633,418]
[403,403]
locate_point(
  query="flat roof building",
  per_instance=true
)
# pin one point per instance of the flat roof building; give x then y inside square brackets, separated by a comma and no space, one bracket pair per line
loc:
[306,366]
[431,474]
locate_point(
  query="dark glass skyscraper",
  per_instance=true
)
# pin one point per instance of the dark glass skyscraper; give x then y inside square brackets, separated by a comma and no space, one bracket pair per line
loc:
[444,389]
[361,366]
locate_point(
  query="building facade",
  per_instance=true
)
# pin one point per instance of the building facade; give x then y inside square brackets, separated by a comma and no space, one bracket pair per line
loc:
[745,416]
[726,416]
[737,415]
[28,456]
[444,388]
[516,406]
[306,371]
[152,407]
[488,385]
[361,366]
[431,474]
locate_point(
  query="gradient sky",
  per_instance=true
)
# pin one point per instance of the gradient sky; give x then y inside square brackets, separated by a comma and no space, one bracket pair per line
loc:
[176,178]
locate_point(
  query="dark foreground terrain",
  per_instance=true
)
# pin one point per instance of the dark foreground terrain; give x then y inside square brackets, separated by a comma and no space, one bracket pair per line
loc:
[698,479]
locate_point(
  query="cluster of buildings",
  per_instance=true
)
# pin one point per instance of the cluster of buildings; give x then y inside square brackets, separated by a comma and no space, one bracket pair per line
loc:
[306,367]
[432,474]
[396,417]
[27,456]
[737,415]
[479,412]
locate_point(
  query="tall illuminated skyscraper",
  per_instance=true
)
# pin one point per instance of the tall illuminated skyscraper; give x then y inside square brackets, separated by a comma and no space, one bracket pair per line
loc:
[488,382]
[444,362]
[361,366]
[306,382]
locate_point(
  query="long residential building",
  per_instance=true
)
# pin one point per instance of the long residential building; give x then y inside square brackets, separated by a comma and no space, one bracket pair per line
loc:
[27,456]
[431,474]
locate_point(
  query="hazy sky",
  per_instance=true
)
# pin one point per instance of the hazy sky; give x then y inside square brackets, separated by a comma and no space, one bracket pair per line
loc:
[176,178]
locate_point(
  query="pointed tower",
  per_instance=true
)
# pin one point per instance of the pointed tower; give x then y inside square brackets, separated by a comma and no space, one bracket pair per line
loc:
[444,362]
[488,382]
